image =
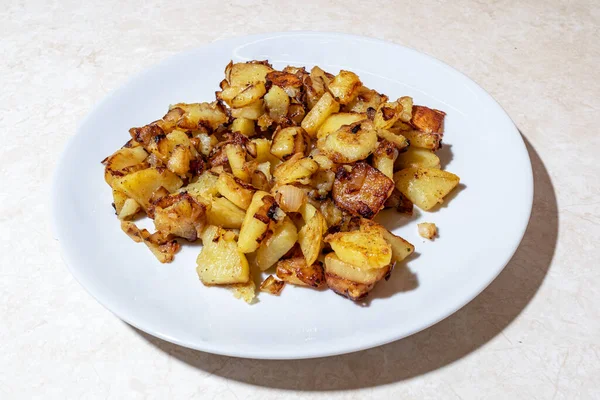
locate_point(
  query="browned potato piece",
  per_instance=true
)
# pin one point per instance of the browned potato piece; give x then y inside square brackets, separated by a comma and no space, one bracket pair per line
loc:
[277,103]
[207,115]
[262,210]
[225,214]
[233,189]
[180,215]
[297,169]
[334,265]
[427,120]
[295,271]
[336,121]
[417,157]
[384,158]
[252,111]
[162,246]
[119,199]
[393,137]
[344,287]
[244,126]
[220,262]
[290,83]
[426,187]
[123,158]
[350,143]
[288,141]
[241,74]
[282,239]
[407,105]
[387,114]
[431,141]
[319,113]
[400,202]
[362,190]
[366,99]
[344,87]
[141,184]
[272,286]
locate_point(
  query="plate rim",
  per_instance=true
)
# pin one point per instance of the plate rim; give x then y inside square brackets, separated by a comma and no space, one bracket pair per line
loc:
[231,351]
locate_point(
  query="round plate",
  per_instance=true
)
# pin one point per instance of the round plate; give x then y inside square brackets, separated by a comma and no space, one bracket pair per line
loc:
[480,226]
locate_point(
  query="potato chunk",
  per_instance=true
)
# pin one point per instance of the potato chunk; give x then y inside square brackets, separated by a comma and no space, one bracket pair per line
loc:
[333,265]
[180,215]
[350,143]
[319,113]
[426,187]
[220,262]
[283,238]
[344,86]
[427,120]
[141,184]
[427,230]
[362,190]
[260,213]
[235,190]
[337,120]
[297,272]
[417,157]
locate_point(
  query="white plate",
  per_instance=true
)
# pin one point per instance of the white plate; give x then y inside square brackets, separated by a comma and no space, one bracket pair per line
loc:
[480,228]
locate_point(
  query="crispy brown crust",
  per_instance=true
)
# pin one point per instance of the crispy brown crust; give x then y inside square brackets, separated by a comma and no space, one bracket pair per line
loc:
[428,120]
[313,275]
[361,191]
[272,286]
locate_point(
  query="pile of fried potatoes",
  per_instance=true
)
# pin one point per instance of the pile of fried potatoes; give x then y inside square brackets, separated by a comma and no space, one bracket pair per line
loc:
[283,173]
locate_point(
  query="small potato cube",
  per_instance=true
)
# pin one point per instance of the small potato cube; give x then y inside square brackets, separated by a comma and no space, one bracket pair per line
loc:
[141,184]
[281,241]
[296,169]
[350,143]
[244,126]
[252,111]
[427,120]
[287,142]
[344,86]
[220,262]
[362,190]
[256,221]
[319,113]
[400,247]
[426,187]
[249,95]
[224,213]
[295,271]
[334,265]
[431,141]
[417,157]
[277,103]
[235,190]
[407,105]
[427,230]
[384,158]
[241,74]
[310,236]
[336,121]
[364,248]
[129,209]
[180,215]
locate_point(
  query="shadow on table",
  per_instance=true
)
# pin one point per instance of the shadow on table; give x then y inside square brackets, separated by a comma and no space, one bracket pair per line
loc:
[438,346]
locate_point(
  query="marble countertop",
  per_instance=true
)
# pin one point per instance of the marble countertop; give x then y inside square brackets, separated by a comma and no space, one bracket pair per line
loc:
[534,333]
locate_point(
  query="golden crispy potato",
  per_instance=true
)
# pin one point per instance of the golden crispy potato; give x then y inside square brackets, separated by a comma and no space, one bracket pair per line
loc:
[417,157]
[129,209]
[335,266]
[119,199]
[282,239]
[180,215]
[277,103]
[235,190]
[387,114]
[310,236]
[296,169]
[336,121]
[350,143]
[366,101]
[319,113]
[297,272]
[407,105]
[225,214]
[428,120]
[207,115]
[204,188]
[345,86]
[288,141]
[290,83]
[244,126]
[344,287]
[361,189]
[260,213]
[431,141]
[249,95]
[252,111]
[242,74]
[364,248]
[117,165]
[384,157]
[426,187]
[162,246]
[141,184]
[272,286]
[220,262]
[245,291]
[397,139]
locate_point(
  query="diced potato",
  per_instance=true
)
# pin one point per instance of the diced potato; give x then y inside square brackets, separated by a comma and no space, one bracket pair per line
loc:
[426,187]
[272,286]
[344,287]
[295,271]
[289,82]
[334,265]
[141,184]
[237,160]
[249,95]
[220,262]
[256,221]
[427,230]
[241,74]
[310,236]
[252,111]
[431,141]
[417,157]
[350,143]
[296,169]
[362,190]
[277,103]
[281,241]
[287,142]
[296,113]
[263,150]
[427,120]
[244,126]
[384,158]
[333,215]
[180,215]
[315,86]
[400,247]
[337,120]
[208,115]
[319,113]
[121,159]
[387,114]
[236,191]
[204,188]
[364,248]
[162,246]
[224,213]
[344,86]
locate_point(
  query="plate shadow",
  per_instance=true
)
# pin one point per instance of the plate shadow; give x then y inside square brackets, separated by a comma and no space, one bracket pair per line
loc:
[438,346]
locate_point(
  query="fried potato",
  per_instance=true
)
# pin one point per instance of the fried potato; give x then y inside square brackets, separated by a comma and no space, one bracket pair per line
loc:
[260,213]
[345,86]
[310,236]
[297,272]
[241,74]
[417,157]
[220,261]
[225,214]
[384,157]
[272,286]
[141,184]
[244,126]
[277,103]
[287,142]
[180,215]
[235,190]
[387,114]
[337,120]
[335,266]
[350,143]
[361,189]
[297,169]
[319,113]
[428,120]
[426,187]
[431,141]
[282,239]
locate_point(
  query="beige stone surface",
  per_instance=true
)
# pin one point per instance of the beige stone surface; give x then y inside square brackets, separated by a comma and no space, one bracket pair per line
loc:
[534,333]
